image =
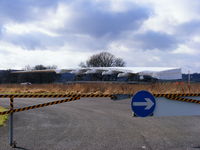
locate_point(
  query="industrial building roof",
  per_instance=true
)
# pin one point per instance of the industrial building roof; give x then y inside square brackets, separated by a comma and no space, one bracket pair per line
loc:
[161,73]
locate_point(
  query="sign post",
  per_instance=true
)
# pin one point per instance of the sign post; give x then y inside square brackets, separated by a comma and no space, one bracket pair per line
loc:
[11,142]
[143,104]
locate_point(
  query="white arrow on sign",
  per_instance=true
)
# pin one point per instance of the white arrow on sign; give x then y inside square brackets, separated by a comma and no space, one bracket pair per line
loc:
[148,103]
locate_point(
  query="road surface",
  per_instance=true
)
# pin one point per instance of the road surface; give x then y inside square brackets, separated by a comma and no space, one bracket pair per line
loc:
[97,124]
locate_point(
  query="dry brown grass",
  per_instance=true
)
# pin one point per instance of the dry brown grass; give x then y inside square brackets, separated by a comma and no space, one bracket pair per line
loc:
[106,88]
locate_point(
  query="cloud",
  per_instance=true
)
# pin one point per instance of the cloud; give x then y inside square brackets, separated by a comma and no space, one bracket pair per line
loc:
[19,57]
[155,40]
[34,41]
[185,50]
[23,10]
[188,29]
[144,33]
[157,58]
[100,22]
[95,22]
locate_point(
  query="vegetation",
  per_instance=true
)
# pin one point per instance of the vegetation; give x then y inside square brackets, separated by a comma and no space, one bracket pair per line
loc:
[3,118]
[7,76]
[42,67]
[103,59]
[97,88]
[106,88]
[39,67]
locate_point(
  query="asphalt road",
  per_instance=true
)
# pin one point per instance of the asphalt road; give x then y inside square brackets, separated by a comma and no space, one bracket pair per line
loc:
[97,124]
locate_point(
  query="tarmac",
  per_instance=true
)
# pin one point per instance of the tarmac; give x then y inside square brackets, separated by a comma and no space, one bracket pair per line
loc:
[97,124]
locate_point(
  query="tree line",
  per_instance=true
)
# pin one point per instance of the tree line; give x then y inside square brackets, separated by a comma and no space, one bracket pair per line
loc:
[103,59]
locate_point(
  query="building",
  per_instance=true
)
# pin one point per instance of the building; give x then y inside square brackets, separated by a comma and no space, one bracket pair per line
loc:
[121,74]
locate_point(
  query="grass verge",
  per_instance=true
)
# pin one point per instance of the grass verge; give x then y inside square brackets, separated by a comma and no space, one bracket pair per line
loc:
[104,88]
[3,118]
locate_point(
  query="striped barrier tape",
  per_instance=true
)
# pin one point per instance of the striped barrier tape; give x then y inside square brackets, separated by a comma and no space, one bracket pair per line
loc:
[11,103]
[52,95]
[183,99]
[168,94]
[176,95]
[180,97]
[39,105]
[73,97]
[77,96]
[163,95]
[86,95]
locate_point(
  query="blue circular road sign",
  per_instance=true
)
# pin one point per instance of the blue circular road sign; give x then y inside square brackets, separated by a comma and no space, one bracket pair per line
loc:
[143,104]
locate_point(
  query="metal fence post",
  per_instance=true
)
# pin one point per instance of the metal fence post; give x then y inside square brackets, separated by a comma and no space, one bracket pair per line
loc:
[11,142]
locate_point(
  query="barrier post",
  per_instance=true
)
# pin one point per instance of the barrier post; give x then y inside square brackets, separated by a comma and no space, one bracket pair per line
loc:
[11,142]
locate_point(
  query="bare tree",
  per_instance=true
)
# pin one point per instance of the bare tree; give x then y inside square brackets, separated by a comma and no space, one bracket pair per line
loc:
[27,68]
[104,59]
[42,67]
[119,62]
[51,67]
[82,65]
[39,67]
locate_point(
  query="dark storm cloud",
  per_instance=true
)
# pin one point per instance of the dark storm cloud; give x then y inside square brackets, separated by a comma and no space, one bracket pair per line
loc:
[91,19]
[37,40]
[24,10]
[34,41]
[98,21]
[156,40]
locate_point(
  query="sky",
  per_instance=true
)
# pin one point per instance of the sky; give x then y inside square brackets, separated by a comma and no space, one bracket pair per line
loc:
[144,33]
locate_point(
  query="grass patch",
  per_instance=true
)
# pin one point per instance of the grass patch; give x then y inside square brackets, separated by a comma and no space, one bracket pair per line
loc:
[3,118]
[104,88]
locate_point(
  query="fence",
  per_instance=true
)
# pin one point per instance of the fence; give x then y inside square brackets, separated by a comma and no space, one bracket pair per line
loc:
[74,97]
